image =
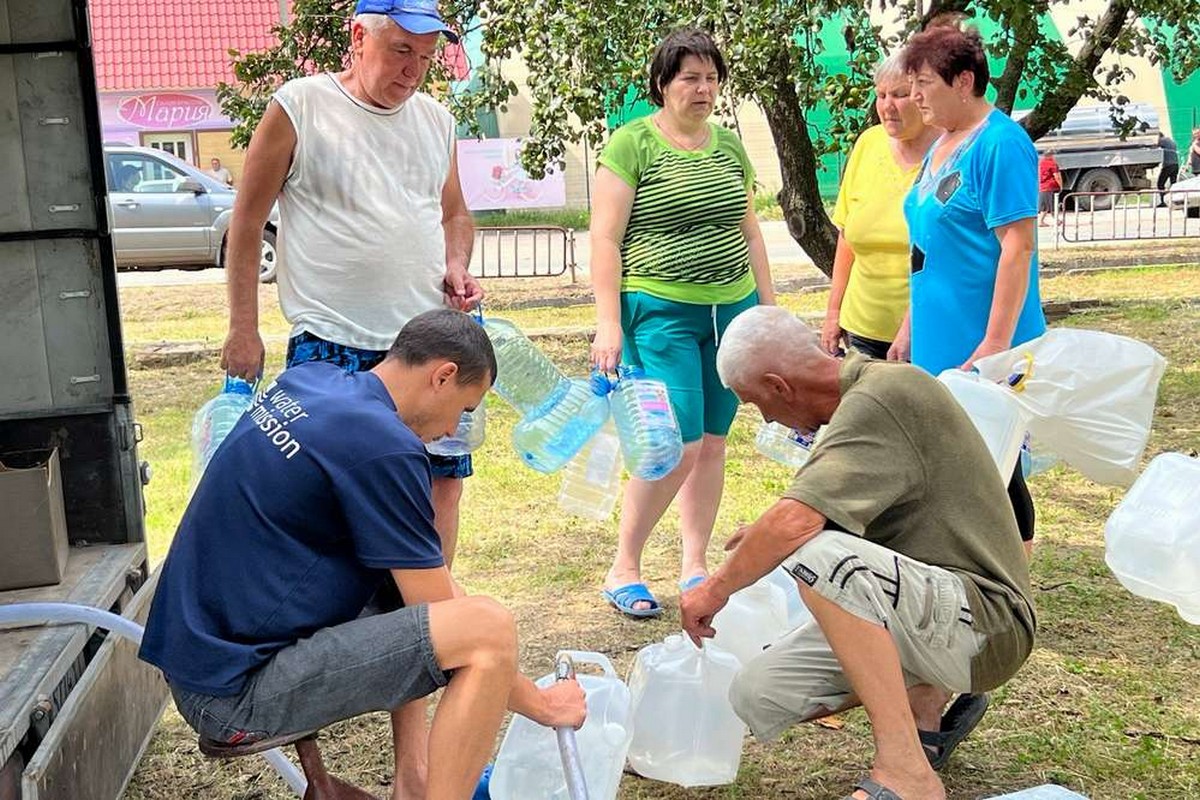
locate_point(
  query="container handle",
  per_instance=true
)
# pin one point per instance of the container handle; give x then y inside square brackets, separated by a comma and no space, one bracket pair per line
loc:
[588,657]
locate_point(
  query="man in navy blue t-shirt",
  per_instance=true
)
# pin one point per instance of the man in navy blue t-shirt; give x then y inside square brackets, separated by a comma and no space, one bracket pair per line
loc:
[318,495]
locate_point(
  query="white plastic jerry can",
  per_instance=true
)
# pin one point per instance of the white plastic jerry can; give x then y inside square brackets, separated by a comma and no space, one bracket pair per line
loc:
[684,729]
[1152,539]
[529,764]
[995,413]
[752,619]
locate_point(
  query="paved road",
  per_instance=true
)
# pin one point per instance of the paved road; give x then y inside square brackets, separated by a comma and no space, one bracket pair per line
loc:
[1092,229]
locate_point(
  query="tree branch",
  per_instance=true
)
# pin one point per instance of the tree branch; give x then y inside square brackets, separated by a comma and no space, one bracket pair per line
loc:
[1024,33]
[1054,105]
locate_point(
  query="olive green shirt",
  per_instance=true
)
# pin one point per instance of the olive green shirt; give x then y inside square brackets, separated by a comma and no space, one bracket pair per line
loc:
[901,465]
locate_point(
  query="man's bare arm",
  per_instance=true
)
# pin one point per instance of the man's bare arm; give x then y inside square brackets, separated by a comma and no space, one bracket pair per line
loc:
[461,289]
[267,163]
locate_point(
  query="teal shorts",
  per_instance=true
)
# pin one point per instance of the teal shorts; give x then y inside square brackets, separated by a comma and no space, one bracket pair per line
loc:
[677,344]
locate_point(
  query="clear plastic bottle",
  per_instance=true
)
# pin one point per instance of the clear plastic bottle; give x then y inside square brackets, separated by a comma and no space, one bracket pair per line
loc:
[216,419]
[1152,539]
[467,438]
[754,618]
[783,444]
[592,479]
[646,425]
[684,729]
[525,377]
[552,433]
[528,765]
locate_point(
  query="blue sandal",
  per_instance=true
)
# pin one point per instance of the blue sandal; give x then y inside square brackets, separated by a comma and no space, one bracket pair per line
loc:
[623,597]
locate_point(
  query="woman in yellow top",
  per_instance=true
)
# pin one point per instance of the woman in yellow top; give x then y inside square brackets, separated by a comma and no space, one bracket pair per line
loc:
[869,295]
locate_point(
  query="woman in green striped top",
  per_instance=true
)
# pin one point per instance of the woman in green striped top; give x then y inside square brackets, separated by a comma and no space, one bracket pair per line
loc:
[676,254]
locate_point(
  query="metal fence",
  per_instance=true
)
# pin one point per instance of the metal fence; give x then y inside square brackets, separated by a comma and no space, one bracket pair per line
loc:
[523,252]
[1118,216]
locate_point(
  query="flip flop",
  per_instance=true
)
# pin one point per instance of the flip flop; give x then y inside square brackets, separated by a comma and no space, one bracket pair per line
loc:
[623,597]
[958,721]
[691,582]
[874,791]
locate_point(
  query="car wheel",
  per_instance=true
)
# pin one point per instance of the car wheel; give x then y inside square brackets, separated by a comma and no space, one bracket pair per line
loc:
[269,259]
[1097,180]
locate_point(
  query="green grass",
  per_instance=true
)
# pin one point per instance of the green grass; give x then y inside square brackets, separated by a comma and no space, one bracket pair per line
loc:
[576,218]
[1108,705]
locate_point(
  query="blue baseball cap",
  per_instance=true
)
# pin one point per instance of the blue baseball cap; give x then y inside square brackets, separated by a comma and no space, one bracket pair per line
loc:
[415,16]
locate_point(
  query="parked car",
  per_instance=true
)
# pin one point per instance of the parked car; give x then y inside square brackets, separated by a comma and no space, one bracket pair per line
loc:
[1185,194]
[165,213]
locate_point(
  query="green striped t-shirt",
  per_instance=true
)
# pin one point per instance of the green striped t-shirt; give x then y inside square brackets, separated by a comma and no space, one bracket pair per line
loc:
[684,240]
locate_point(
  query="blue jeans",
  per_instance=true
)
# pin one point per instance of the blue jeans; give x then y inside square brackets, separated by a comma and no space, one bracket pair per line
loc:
[305,347]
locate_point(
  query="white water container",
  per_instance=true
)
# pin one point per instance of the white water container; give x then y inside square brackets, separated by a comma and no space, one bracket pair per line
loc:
[1152,539]
[752,619]
[797,613]
[592,479]
[995,413]
[529,765]
[1047,791]
[684,729]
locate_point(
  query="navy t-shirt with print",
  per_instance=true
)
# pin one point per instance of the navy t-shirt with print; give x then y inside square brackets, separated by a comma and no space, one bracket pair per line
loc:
[318,490]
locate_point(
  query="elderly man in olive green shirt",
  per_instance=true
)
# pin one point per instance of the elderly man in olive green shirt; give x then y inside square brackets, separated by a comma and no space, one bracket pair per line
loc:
[903,543]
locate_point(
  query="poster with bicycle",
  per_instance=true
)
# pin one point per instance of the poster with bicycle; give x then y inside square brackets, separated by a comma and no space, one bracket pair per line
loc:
[492,177]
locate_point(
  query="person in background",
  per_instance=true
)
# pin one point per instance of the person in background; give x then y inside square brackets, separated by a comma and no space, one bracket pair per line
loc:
[869,294]
[217,172]
[364,250]
[676,255]
[1169,172]
[974,281]
[1194,153]
[1049,185]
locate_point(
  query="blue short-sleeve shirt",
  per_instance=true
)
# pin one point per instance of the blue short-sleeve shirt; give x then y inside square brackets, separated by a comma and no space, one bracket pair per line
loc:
[318,490]
[952,214]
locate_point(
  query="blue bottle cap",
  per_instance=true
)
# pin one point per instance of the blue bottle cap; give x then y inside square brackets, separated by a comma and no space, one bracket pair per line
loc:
[600,383]
[236,385]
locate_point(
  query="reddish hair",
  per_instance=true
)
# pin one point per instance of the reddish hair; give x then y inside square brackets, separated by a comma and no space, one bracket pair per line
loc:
[949,51]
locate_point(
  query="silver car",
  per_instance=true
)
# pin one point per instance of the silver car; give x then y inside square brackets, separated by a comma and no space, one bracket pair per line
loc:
[165,213]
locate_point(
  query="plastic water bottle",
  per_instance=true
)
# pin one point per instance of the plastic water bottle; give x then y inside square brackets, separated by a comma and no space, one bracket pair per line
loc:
[216,419]
[684,729]
[783,444]
[592,479]
[1152,539]
[528,765]
[467,438]
[797,613]
[995,413]
[553,432]
[646,425]
[525,377]
[752,619]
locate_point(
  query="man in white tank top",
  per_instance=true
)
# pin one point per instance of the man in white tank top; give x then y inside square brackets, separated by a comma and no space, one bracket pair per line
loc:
[373,231]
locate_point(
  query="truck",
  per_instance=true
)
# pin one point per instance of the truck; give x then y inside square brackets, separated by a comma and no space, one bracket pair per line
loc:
[1094,157]
[77,708]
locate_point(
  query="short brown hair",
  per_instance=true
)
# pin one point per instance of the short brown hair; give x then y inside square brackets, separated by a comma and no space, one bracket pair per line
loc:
[949,50]
[669,55]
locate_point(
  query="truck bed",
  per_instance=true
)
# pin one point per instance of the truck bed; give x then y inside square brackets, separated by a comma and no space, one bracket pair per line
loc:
[44,670]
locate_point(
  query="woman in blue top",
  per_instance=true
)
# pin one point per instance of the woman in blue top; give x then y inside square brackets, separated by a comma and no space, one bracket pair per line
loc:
[971,214]
[972,221]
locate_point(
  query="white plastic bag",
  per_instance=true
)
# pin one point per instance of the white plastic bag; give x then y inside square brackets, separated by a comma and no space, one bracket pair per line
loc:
[1090,396]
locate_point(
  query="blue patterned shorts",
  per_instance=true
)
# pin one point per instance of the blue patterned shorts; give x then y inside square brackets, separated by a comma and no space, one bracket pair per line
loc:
[305,347]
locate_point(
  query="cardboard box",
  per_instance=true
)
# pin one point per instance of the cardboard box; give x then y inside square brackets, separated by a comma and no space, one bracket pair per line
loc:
[33,526]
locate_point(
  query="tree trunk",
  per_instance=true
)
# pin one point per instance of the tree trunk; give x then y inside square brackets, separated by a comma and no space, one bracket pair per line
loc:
[799,198]
[1053,107]
[1023,25]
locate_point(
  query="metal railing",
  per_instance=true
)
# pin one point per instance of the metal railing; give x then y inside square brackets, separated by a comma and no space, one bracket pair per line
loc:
[1081,217]
[523,252]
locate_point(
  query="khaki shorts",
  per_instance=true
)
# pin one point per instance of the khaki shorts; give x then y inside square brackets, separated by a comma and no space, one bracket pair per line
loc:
[924,607]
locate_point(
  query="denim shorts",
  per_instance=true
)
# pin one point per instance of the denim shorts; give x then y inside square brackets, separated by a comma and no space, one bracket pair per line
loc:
[677,344]
[373,663]
[305,347]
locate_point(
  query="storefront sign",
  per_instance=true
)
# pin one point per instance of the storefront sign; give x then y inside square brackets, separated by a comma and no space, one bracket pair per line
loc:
[165,111]
[492,177]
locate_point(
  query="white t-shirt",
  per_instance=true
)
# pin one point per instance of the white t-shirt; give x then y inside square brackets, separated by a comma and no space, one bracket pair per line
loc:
[361,247]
